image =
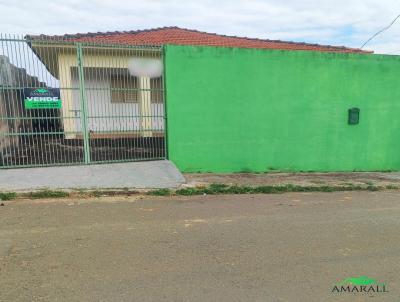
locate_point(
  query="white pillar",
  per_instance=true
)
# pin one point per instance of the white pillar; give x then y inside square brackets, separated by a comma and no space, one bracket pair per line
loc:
[69,124]
[145,107]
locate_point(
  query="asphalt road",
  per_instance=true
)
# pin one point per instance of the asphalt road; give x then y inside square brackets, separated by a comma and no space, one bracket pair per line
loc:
[290,247]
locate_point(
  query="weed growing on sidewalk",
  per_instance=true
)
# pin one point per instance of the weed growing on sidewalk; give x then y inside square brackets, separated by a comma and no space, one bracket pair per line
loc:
[160,192]
[8,196]
[47,194]
[269,189]
[212,189]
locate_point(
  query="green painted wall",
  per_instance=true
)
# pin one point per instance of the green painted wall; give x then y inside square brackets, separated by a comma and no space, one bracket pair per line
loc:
[233,110]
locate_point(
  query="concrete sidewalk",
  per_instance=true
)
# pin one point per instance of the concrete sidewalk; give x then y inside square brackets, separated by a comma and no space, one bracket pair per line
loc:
[140,175]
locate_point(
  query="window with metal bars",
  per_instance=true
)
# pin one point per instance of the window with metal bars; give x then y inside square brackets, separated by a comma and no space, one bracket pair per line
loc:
[156,86]
[124,88]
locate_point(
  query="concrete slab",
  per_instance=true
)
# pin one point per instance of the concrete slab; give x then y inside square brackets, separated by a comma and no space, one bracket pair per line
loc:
[139,175]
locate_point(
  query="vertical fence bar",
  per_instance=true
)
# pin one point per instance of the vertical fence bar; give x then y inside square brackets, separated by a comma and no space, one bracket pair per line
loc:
[164,113]
[83,103]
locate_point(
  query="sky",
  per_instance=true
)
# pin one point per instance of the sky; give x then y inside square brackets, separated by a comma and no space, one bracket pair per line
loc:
[339,22]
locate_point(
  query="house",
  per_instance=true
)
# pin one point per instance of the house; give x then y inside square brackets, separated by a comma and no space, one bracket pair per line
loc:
[238,104]
[119,103]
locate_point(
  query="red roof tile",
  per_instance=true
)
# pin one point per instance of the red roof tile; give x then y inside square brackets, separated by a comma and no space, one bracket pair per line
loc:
[182,36]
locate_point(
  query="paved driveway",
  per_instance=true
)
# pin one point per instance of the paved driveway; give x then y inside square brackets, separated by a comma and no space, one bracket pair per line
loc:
[290,247]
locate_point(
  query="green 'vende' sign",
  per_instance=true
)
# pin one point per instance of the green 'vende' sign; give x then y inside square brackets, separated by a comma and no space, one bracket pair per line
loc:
[42,98]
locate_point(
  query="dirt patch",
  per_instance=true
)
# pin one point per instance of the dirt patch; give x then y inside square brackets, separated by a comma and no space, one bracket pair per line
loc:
[302,179]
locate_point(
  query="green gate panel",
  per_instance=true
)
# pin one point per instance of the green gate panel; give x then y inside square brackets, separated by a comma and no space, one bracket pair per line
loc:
[67,103]
[247,110]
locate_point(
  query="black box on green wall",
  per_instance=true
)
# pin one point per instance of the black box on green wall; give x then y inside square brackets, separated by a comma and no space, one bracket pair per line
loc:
[354,116]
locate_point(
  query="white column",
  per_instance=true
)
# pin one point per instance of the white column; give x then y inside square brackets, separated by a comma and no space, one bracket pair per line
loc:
[145,107]
[69,124]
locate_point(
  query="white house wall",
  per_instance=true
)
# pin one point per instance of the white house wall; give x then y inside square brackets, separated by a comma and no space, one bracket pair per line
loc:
[104,116]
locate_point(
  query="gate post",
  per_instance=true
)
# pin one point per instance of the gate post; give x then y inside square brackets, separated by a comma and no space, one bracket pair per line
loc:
[164,91]
[83,103]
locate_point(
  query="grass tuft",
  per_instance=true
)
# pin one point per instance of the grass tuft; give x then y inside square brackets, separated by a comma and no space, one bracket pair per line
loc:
[215,189]
[160,192]
[8,195]
[47,194]
[212,189]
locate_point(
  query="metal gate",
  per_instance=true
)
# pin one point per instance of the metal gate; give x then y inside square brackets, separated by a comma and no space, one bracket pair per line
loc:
[68,102]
